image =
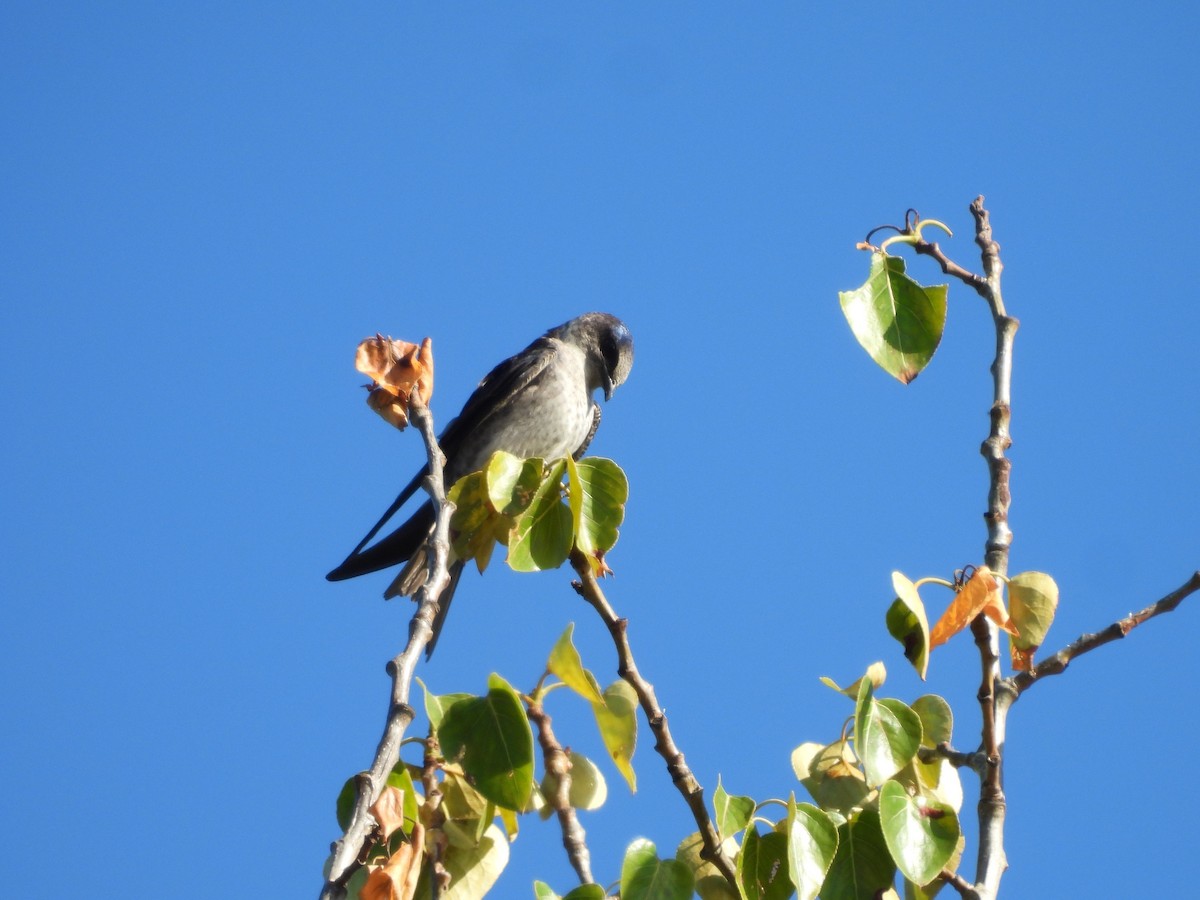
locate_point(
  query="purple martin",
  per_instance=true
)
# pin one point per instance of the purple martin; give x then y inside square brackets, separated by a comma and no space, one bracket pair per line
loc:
[537,403]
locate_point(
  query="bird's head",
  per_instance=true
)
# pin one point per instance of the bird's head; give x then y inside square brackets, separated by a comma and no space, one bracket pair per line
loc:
[609,347]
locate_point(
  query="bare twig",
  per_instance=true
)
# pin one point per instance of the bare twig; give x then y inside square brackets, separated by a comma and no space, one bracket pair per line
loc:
[1057,664]
[558,765]
[960,884]
[433,816]
[370,783]
[681,775]
[976,761]
[994,697]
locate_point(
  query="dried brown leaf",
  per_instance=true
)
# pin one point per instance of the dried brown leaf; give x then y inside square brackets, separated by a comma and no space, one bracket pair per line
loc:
[395,368]
[981,594]
[389,810]
[397,879]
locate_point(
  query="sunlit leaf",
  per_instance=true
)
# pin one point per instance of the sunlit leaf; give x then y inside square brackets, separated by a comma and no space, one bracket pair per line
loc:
[733,812]
[907,623]
[617,720]
[541,537]
[566,663]
[830,775]
[646,877]
[937,719]
[895,319]
[1033,600]
[887,735]
[862,867]
[598,491]
[473,869]
[762,866]
[812,845]
[588,788]
[710,883]
[510,482]
[491,738]
[876,674]
[920,832]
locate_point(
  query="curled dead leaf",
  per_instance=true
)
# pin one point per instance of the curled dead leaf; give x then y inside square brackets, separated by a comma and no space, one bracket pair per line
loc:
[981,594]
[395,368]
[389,810]
[397,879]
[1022,657]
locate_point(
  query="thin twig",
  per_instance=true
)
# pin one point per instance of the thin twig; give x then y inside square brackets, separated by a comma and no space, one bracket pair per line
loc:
[1057,664]
[991,860]
[976,761]
[681,775]
[370,783]
[434,816]
[994,697]
[558,766]
[960,884]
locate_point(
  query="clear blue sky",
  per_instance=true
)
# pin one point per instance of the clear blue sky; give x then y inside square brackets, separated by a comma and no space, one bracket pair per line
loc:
[206,206]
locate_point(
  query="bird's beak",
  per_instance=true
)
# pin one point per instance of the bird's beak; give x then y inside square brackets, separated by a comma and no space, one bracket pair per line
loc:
[609,387]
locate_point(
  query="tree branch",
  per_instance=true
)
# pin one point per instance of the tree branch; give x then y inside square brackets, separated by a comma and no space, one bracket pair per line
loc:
[976,761]
[681,775]
[558,765]
[1057,664]
[370,783]
[960,884]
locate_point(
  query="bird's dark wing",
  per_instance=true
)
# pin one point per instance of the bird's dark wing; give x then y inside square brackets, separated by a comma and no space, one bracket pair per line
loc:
[494,393]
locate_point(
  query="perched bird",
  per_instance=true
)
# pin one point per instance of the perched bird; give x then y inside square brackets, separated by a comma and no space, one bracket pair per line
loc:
[536,403]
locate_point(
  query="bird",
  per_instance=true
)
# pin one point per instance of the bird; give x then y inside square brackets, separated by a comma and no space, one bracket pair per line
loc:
[537,403]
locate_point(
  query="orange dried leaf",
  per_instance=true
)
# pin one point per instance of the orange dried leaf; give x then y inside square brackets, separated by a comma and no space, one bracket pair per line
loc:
[389,810]
[397,880]
[395,368]
[981,594]
[1022,658]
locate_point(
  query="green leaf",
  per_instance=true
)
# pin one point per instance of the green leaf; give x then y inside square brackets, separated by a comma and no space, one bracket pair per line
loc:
[812,845]
[345,802]
[876,673]
[511,482]
[598,491]
[586,892]
[437,704]
[491,738]
[617,720]
[566,663]
[733,813]
[473,868]
[862,867]
[646,877]
[470,523]
[543,891]
[588,788]
[907,623]
[1032,602]
[541,537]
[829,774]
[710,883]
[887,734]
[937,719]
[896,320]
[921,833]
[762,866]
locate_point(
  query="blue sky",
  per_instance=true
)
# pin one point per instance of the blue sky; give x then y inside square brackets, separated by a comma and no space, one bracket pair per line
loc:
[206,206]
